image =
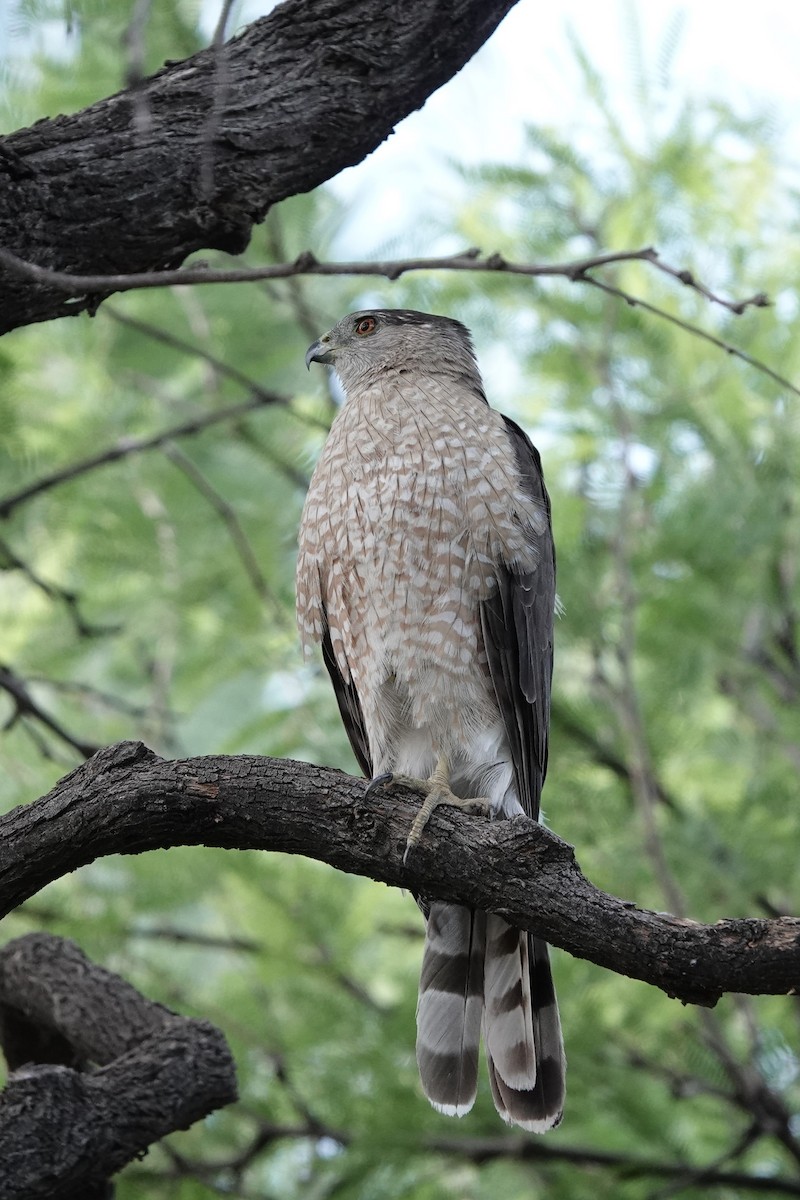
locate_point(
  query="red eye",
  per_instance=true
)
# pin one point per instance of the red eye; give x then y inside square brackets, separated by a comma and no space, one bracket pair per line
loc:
[365,326]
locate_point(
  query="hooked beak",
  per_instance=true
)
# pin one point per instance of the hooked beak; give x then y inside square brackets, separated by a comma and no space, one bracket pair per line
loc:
[319,351]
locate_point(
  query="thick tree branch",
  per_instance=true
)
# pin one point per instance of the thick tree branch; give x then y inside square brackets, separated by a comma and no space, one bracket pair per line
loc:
[193,156]
[127,800]
[66,1129]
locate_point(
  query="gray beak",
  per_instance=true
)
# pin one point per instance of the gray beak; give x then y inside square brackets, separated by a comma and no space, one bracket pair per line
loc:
[319,351]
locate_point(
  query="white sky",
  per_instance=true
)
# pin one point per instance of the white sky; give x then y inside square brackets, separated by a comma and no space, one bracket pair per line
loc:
[748,53]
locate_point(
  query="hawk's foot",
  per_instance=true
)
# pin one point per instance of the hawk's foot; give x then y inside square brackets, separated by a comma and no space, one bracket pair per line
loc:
[437,791]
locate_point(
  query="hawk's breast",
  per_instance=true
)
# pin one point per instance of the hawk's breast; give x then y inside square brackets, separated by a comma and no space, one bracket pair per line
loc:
[414,501]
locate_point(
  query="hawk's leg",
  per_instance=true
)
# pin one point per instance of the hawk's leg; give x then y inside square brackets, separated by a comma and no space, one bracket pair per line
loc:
[437,791]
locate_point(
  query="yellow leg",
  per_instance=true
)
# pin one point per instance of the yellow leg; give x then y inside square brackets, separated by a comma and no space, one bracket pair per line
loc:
[437,791]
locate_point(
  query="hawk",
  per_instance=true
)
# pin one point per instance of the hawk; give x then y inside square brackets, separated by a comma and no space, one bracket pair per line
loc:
[426,573]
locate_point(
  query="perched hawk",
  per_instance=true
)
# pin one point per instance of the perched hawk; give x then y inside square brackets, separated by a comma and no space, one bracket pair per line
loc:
[427,574]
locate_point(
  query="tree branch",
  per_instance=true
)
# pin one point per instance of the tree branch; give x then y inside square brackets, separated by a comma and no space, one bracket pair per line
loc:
[577,270]
[195,155]
[26,706]
[65,1129]
[131,445]
[392,269]
[515,868]
[482,1150]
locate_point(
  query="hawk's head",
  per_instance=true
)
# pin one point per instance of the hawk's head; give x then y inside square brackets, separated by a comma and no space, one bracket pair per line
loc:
[375,341]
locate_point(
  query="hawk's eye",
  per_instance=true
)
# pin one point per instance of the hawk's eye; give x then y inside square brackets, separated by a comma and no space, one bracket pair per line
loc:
[365,325]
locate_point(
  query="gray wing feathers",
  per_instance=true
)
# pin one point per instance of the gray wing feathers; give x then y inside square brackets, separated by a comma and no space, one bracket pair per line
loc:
[349,706]
[517,626]
[522,1029]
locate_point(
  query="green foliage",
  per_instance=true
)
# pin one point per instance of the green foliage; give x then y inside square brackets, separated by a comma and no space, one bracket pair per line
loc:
[151,597]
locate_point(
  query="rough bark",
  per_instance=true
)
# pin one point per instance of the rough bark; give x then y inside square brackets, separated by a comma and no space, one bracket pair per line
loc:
[193,156]
[98,1072]
[126,800]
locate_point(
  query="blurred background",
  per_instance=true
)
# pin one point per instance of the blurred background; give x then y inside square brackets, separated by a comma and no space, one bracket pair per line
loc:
[150,595]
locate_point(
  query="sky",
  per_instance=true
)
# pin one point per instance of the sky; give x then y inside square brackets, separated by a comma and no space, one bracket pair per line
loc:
[527,73]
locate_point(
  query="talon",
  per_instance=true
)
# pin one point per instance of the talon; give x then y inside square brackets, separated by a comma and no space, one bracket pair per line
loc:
[438,791]
[378,781]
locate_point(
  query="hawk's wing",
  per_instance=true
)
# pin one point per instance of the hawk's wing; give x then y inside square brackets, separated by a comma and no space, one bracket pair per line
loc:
[349,704]
[517,626]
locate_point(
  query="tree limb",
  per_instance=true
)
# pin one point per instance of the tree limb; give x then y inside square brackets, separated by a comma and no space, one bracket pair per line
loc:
[127,446]
[126,800]
[192,157]
[472,260]
[65,1129]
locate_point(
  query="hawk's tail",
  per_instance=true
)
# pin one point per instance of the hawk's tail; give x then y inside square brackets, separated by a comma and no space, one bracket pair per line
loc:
[522,1029]
[477,968]
[450,1007]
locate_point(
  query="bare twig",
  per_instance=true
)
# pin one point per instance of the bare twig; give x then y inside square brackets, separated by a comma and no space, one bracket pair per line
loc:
[217,364]
[10,561]
[127,446]
[221,368]
[696,331]
[90,692]
[605,756]
[307,264]
[483,1150]
[238,536]
[25,706]
[578,270]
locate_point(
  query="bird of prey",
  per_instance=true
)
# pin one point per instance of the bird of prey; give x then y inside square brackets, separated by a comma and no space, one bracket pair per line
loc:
[426,572]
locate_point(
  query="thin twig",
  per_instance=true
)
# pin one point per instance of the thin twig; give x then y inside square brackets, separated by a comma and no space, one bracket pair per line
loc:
[232,524]
[26,706]
[468,260]
[506,1148]
[90,693]
[696,331]
[307,264]
[10,561]
[225,369]
[127,446]
[605,756]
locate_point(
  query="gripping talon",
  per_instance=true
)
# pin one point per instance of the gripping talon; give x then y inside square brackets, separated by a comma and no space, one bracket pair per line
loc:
[438,791]
[377,781]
